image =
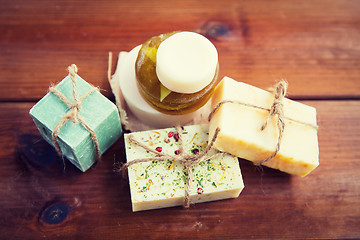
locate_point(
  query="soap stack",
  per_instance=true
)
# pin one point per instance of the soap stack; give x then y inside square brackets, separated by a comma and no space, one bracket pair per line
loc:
[161,184]
[168,81]
[247,122]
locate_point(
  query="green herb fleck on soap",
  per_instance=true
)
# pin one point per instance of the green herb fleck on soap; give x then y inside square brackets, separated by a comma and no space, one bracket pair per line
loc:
[200,182]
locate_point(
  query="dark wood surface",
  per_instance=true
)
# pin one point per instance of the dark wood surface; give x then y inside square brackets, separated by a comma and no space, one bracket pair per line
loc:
[313,44]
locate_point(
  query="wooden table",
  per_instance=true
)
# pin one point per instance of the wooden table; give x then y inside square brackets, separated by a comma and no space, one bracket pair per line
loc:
[315,45]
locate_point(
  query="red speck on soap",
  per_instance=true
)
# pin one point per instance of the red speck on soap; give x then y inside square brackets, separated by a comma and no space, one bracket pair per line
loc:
[195,151]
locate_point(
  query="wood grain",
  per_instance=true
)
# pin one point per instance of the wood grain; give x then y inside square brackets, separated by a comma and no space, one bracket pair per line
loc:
[272,205]
[313,44]
[258,42]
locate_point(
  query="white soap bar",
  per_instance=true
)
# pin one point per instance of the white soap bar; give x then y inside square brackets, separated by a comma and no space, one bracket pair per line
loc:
[241,135]
[161,184]
[186,62]
[136,103]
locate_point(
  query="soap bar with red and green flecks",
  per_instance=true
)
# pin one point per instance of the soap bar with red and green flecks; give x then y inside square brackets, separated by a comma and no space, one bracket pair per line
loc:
[74,140]
[160,184]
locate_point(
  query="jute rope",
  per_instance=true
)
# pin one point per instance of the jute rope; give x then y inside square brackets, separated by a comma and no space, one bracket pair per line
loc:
[188,161]
[74,111]
[276,110]
[184,158]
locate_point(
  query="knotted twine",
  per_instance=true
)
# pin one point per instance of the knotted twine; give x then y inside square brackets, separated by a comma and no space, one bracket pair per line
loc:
[184,158]
[188,161]
[276,110]
[74,112]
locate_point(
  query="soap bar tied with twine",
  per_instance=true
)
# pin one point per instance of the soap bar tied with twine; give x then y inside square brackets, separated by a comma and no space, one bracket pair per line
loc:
[185,159]
[276,110]
[188,161]
[73,114]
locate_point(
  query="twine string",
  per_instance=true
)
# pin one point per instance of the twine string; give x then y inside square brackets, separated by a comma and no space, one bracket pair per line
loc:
[276,110]
[73,114]
[187,160]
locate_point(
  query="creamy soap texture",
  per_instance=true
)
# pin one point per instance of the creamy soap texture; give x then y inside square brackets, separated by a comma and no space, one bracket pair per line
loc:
[241,135]
[160,184]
[186,62]
[74,140]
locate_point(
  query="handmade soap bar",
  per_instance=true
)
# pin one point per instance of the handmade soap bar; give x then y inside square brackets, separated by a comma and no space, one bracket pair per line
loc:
[160,184]
[241,134]
[74,140]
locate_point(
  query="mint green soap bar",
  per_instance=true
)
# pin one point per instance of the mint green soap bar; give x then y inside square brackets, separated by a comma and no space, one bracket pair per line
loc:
[74,140]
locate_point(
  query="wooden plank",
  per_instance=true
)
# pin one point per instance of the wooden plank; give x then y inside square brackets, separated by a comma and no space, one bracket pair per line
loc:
[258,41]
[39,199]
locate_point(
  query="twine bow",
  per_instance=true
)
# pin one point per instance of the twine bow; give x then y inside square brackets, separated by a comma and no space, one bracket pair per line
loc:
[186,159]
[73,114]
[276,110]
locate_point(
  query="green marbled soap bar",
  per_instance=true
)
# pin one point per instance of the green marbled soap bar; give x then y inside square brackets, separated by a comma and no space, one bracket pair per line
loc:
[74,140]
